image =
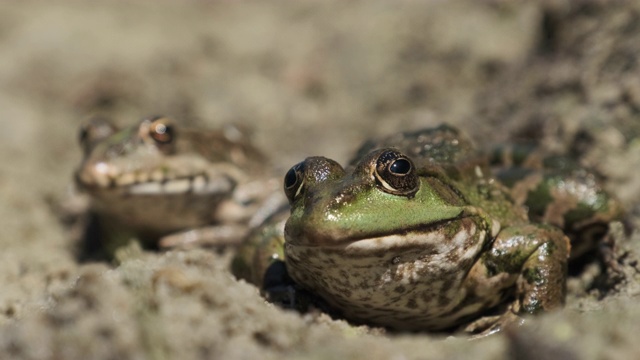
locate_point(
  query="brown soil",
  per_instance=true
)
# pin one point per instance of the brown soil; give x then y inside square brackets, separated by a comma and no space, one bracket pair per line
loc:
[312,78]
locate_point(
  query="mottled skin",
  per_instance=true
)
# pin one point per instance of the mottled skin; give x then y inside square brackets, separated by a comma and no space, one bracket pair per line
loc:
[416,234]
[162,183]
[556,190]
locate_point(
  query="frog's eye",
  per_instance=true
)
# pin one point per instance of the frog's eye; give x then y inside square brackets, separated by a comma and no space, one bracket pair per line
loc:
[162,131]
[293,181]
[395,173]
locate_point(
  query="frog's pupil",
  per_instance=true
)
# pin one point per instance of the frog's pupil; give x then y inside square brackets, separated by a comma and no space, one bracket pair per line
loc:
[162,133]
[161,129]
[290,178]
[400,167]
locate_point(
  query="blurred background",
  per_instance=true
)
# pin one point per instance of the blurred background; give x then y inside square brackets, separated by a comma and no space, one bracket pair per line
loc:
[306,78]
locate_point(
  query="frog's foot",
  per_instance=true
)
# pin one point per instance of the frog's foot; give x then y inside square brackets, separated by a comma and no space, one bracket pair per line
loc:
[489,325]
[210,236]
[294,297]
[609,254]
[618,262]
[277,286]
[280,289]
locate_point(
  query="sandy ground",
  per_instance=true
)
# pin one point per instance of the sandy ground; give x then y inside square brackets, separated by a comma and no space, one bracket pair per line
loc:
[309,79]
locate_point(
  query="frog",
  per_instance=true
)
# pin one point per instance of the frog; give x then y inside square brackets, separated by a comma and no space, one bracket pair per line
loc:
[417,233]
[168,185]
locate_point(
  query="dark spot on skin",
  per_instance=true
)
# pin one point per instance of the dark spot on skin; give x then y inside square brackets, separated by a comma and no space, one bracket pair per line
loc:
[533,276]
[453,257]
[538,199]
[344,274]
[548,248]
[427,297]
[466,263]
[443,299]
[412,304]
[345,291]
[448,284]
[343,282]
[399,289]
[504,260]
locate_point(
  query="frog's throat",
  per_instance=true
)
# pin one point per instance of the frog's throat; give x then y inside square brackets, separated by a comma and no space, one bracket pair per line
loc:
[128,184]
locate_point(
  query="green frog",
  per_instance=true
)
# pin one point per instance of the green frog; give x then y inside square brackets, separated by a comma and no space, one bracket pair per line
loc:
[168,185]
[416,233]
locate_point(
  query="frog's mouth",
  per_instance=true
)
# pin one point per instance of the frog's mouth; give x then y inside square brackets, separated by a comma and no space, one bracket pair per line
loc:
[198,184]
[433,232]
[131,184]
[436,238]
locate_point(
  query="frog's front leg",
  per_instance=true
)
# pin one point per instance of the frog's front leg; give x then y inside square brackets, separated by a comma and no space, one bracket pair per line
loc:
[242,215]
[533,259]
[214,235]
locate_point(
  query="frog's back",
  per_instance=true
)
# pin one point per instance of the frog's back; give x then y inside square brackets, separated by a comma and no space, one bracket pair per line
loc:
[227,145]
[439,149]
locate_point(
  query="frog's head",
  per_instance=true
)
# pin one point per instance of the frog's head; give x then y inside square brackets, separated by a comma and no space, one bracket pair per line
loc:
[115,157]
[158,173]
[383,194]
[152,157]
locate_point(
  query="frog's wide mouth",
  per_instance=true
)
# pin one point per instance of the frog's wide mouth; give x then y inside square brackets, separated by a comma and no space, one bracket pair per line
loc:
[439,237]
[426,232]
[144,185]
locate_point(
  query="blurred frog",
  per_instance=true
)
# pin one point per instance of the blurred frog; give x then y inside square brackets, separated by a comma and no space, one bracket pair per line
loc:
[168,185]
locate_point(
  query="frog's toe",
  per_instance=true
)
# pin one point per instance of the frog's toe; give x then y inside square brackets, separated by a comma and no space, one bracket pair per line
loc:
[489,325]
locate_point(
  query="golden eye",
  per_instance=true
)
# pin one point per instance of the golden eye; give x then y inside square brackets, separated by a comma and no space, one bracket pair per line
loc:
[162,131]
[395,173]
